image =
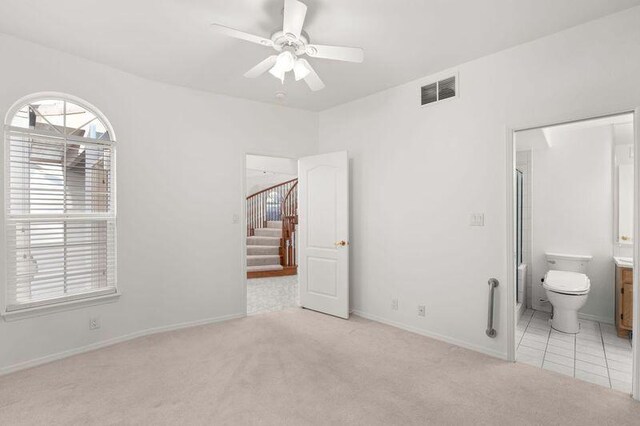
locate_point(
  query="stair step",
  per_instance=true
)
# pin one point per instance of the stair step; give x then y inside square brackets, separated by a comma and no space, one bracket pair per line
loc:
[268,232]
[263,241]
[263,260]
[253,250]
[274,224]
[264,268]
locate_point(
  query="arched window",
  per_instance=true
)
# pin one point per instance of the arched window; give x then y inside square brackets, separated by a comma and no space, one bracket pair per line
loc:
[60,203]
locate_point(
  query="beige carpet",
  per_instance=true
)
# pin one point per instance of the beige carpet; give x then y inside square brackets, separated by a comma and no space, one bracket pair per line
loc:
[299,367]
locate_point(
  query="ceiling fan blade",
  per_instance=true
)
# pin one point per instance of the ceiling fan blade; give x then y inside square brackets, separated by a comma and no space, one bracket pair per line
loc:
[262,67]
[338,53]
[294,14]
[312,79]
[231,32]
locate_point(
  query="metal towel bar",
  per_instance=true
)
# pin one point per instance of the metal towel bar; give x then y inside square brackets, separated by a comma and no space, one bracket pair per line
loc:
[493,283]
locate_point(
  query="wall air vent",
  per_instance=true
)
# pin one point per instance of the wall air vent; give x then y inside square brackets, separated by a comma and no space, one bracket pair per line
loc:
[440,90]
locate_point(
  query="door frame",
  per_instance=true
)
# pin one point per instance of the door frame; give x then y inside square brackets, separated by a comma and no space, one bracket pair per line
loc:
[509,133]
[243,221]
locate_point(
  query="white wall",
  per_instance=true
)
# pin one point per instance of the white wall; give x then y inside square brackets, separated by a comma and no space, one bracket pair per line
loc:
[623,139]
[572,213]
[417,174]
[420,172]
[180,157]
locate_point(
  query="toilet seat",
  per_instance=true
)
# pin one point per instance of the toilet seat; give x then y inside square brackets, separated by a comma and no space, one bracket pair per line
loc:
[565,282]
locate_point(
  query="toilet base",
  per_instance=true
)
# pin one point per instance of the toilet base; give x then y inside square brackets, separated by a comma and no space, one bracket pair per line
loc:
[565,311]
[565,321]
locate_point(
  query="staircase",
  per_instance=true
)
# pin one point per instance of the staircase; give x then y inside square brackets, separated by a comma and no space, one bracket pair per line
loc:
[271,223]
[263,248]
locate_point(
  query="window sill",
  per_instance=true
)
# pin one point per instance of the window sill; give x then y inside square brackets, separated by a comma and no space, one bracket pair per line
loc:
[59,307]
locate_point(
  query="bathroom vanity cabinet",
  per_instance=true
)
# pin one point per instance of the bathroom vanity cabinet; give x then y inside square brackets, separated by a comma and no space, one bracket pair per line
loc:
[624,300]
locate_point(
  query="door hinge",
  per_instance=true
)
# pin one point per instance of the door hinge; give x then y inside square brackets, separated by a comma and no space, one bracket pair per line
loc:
[621,316]
[622,290]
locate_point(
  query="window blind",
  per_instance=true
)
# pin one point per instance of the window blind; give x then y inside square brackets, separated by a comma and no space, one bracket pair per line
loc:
[60,227]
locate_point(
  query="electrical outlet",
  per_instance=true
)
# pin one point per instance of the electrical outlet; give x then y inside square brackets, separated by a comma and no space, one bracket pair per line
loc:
[422,310]
[94,323]
[394,304]
[477,219]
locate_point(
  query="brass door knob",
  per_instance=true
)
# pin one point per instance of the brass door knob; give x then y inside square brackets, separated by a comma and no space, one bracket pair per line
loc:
[342,243]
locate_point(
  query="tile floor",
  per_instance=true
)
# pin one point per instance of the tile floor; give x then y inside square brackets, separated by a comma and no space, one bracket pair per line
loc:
[271,294]
[596,354]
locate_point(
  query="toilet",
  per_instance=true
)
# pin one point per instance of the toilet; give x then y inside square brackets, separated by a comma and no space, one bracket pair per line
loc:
[567,287]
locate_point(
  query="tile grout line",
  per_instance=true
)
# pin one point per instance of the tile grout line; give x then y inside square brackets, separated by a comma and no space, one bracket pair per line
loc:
[604,358]
[607,358]
[595,356]
[523,333]
[544,356]
[592,363]
[598,340]
[604,351]
[575,355]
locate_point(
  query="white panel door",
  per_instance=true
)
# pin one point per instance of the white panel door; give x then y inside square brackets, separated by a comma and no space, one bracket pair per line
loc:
[323,214]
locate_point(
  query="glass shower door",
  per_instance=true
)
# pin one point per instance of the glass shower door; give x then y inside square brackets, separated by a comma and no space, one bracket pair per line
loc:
[519,187]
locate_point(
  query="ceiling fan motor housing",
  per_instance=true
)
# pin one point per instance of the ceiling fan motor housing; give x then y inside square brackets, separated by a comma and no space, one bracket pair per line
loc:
[297,45]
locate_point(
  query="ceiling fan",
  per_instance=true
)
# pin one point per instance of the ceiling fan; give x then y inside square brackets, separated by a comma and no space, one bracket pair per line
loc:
[292,43]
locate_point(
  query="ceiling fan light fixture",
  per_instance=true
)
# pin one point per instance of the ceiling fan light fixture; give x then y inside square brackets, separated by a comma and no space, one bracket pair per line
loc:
[300,70]
[291,41]
[286,61]
[277,73]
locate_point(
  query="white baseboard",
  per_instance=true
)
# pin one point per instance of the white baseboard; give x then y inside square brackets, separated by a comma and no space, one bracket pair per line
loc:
[98,345]
[547,308]
[447,339]
[595,318]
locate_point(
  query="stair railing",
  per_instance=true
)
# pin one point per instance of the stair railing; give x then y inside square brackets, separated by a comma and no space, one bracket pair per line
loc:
[266,205]
[289,215]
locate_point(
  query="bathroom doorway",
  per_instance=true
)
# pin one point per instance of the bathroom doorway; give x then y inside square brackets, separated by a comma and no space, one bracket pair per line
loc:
[573,237]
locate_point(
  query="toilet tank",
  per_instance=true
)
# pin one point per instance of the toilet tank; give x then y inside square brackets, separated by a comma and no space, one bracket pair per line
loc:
[567,262]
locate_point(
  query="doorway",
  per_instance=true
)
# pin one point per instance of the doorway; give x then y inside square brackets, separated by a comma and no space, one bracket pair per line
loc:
[295,238]
[271,217]
[573,239]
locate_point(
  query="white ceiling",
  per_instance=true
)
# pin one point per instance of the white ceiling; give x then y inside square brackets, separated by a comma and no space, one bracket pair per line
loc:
[170,40]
